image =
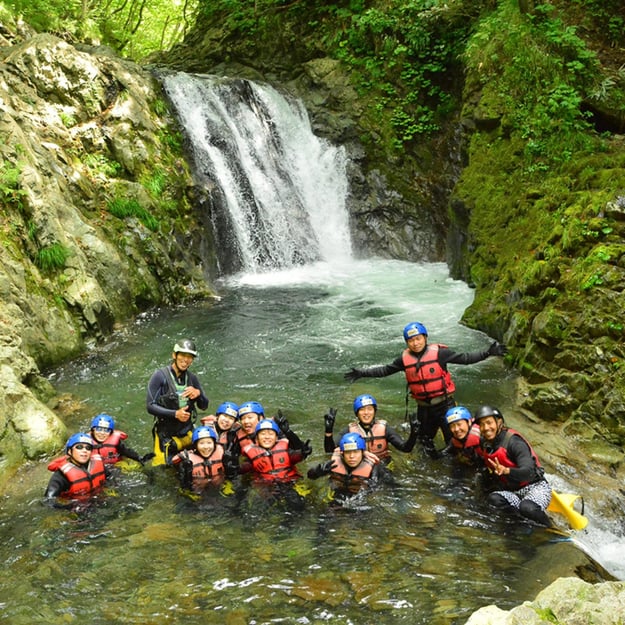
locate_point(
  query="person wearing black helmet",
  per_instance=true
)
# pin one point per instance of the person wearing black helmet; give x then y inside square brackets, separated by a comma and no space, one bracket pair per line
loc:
[173,398]
[429,382]
[520,482]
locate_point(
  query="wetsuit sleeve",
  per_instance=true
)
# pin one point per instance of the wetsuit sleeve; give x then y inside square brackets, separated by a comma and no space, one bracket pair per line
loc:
[398,442]
[128,452]
[58,484]
[329,444]
[384,476]
[519,452]
[448,356]
[381,371]
[156,387]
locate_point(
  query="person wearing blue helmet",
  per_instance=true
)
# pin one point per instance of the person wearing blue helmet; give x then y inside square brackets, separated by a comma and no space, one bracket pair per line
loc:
[351,470]
[428,380]
[173,398]
[271,459]
[274,454]
[202,466]
[79,474]
[109,442]
[465,436]
[377,433]
[225,421]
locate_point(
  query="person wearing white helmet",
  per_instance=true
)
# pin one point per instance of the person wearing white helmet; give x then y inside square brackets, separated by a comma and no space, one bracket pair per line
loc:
[173,398]
[427,377]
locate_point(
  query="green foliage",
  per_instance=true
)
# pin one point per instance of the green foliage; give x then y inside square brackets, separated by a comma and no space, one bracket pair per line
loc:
[539,71]
[124,207]
[99,163]
[52,257]
[135,28]
[156,182]
[10,187]
[403,56]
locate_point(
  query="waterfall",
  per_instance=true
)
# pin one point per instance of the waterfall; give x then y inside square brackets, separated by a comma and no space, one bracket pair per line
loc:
[278,193]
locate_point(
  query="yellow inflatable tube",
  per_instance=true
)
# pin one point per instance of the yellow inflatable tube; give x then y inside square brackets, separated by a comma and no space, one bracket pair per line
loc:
[562,503]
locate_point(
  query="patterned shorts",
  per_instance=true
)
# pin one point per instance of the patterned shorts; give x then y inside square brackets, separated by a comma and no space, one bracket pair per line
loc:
[538,492]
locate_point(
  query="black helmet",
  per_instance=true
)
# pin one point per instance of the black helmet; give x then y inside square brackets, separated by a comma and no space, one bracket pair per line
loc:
[187,346]
[487,411]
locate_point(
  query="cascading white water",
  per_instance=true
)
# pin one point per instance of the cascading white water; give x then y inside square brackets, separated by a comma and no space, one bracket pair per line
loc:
[278,191]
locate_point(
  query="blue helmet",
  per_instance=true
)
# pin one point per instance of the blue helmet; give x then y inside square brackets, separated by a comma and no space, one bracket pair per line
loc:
[458,413]
[364,400]
[251,406]
[352,441]
[103,420]
[413,329]
[203,432]
[228,408]
[268,424]
[79,437]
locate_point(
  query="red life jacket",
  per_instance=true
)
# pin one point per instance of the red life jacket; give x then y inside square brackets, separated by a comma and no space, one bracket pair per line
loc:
[425,376]
[469,447]
[82,481]
[206,471]
[109,449]
[273,464]
[223,436]
[501,454]
[375,437]
[352,480]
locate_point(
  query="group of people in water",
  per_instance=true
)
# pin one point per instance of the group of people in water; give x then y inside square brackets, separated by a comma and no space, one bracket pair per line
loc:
[240,440]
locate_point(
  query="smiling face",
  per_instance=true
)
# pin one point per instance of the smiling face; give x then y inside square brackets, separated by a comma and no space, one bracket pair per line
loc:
[249,421]
[182,361]
[225,422]
[459,429]
[80,453]
[490,427]
[366,414]
[205,446]
[100,434]
[266,438]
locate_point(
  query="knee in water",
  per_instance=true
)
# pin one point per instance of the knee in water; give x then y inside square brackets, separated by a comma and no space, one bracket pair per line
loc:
[533,511]
[498,501]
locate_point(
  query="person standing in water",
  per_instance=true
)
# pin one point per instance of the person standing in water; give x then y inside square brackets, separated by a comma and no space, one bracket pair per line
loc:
[427,377]
[173,398]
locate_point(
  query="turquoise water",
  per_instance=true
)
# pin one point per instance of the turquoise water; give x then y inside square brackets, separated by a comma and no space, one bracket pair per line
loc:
[423,551]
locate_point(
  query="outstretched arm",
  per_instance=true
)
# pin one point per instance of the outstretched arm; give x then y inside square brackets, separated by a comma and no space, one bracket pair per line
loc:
[378,371]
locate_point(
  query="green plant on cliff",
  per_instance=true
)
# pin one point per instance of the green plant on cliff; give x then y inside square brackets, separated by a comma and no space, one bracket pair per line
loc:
[129,207]
[11,192]
[52,257]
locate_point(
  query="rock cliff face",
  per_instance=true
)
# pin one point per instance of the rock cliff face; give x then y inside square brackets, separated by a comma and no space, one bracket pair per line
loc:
[97,222]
